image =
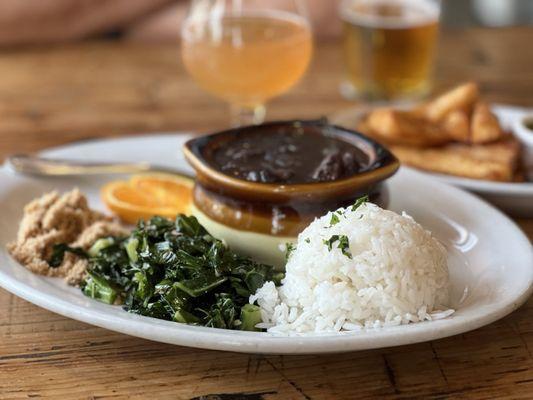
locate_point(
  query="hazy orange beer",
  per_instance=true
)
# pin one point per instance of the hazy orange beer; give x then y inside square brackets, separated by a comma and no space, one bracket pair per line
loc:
[389,47]
[248,59]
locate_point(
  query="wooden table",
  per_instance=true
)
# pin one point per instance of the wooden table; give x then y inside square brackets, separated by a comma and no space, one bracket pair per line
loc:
[50,96]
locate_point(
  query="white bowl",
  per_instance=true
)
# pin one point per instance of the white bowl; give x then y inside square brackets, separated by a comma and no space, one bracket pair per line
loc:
[522,131]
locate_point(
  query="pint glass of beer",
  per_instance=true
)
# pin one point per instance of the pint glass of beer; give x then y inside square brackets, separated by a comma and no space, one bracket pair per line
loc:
[389,48]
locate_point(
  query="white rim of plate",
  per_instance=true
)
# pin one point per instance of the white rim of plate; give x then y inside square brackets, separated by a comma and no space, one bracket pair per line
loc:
[262,342]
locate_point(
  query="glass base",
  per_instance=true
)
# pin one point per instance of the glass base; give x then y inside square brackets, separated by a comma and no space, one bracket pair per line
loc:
[350,92]
[241,116]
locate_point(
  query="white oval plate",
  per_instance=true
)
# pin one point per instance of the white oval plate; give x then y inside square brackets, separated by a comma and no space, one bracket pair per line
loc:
[514,198]
[491,261]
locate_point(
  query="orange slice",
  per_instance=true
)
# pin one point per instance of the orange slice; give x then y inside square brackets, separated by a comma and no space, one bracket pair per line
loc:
[145,196]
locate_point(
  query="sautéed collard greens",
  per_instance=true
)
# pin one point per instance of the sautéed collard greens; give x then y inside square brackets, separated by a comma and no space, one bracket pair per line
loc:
[177,271]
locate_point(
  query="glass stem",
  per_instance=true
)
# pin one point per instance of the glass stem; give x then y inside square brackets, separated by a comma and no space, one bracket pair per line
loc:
[241,116]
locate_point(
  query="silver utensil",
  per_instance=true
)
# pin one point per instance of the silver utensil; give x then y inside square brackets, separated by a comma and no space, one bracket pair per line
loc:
[40,166]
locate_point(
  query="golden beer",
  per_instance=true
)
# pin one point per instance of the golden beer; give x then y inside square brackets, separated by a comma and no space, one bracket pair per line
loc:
[389,47]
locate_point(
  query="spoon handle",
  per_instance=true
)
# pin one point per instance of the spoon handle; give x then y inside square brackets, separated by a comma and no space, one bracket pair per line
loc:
[38,166]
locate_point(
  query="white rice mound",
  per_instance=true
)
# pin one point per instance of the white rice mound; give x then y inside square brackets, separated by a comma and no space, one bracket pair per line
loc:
[397,274]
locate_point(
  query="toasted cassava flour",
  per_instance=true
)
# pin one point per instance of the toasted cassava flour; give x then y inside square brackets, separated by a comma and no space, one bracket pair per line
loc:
[53,219]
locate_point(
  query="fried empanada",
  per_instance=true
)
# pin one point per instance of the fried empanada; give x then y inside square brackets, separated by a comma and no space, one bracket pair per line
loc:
[462,98]
[457,125]
[485,126]
[401,127]
[454,134]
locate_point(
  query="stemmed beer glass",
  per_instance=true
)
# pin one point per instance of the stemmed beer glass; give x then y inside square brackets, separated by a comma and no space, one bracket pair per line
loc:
[246,52]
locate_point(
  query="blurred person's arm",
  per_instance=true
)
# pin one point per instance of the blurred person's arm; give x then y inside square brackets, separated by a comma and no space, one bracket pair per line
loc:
[164,25]
[46,21]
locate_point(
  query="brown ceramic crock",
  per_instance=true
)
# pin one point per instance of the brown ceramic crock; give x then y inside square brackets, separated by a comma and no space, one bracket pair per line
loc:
[230,205]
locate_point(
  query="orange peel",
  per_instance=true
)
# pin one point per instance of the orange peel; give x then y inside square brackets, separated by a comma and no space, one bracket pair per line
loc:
[146,195]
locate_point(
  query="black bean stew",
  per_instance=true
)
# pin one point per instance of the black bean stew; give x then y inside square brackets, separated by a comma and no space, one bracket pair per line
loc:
[295,154]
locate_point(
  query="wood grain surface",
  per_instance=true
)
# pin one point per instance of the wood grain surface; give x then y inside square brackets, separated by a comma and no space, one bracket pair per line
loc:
[51,96]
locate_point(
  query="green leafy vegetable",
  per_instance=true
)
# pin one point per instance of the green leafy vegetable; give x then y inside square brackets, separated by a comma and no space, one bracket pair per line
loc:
[201,284]
[289,248]
[223,313]
[334,220]
[359,202]
[131,249]
[185,317]
[177,271]
[343,244]
[58,254]
[250,317]
[99,245]
[98,288]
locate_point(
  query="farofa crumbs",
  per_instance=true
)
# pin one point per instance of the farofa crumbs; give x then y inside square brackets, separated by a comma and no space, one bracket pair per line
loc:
[53,219]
